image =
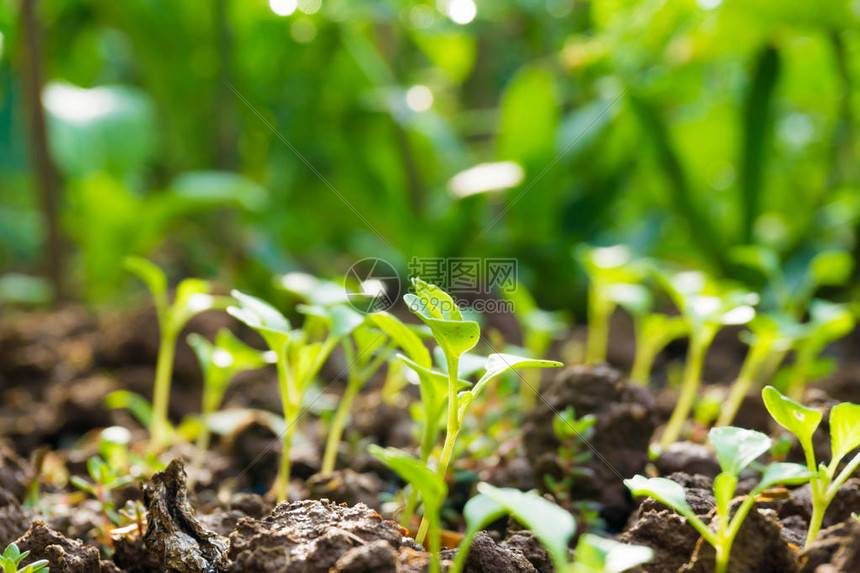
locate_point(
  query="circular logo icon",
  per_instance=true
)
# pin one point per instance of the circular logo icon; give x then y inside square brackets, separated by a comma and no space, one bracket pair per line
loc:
[372,285]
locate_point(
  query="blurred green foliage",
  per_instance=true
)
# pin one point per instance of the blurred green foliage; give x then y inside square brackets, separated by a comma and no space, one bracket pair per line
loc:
[681,128]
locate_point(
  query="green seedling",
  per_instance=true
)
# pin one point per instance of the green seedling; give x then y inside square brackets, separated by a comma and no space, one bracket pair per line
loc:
[192,297]
[220,363]
[132,521]
[792,292]
[455,336]
[365,352]
[105,480]
[736,448]
[827,323]
[607,268]
[12,557]
[430,485]
[539,329]
[844,438]
[706,308]
[573,454]
[769,338]
[653,330]
[299,354]
[552,526]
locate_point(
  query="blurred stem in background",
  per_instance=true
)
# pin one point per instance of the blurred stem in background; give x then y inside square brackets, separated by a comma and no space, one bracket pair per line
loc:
[45,171]
[757,129]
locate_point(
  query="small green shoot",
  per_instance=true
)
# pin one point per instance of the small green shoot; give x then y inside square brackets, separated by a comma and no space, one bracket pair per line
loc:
[607,268]
[769,338]
[105,480]
[653,330]
[220,363]
[706,308]
[844,438]
[827,323]
[12,557]
[736,448]
[430,485]
[455,336]
[552,526]
[299,354]
[192,297]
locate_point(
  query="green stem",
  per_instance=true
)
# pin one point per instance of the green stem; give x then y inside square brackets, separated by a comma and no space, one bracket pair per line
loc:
[799,373]
[335,431]
[161,391]
[644,361]
[689,388]
[748,374]
[722,564]
[291,411]
[435,543]
[815,521]
[599,312]
[282,481]
[450,434]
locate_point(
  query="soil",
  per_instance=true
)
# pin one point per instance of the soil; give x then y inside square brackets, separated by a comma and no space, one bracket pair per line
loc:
[625,420]
[55,369]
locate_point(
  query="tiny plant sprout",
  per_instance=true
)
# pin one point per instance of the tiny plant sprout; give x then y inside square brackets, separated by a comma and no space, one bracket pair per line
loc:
[606,268]
[828,322]
[768,336]
[455,336]
[192,297]
[844,438]
[11,558]
[298,354]
[539,328]
[105,480]
[736,448]
[653,331]
[366,350]
[706,308]
[552,526]
[430,485]
[220,363]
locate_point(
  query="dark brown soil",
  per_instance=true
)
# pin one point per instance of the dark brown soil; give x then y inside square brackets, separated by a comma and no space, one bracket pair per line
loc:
[626,419]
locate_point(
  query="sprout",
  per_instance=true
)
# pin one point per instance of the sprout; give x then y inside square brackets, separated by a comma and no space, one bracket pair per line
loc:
[299,356]
[220,363]
[706,307]
[827,322]
[607,268]
[455,335]
[653,331]
[552,526]
[11,558]
[105,480]
[769,338]
[736,449]
[844,438]
[192,297]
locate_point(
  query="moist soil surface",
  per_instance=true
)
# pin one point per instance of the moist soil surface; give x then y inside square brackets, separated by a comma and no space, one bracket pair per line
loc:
[213,514]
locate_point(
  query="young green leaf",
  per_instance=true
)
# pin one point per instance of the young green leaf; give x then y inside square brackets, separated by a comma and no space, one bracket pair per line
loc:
[782,473]
[262,317]
[844,429]
[431,486]
[598,554]
[737,448]
[671,494]
[797,419]
[152,277]
[403,337]
[551,525]
[439,311]
[479,512]
[497,364]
